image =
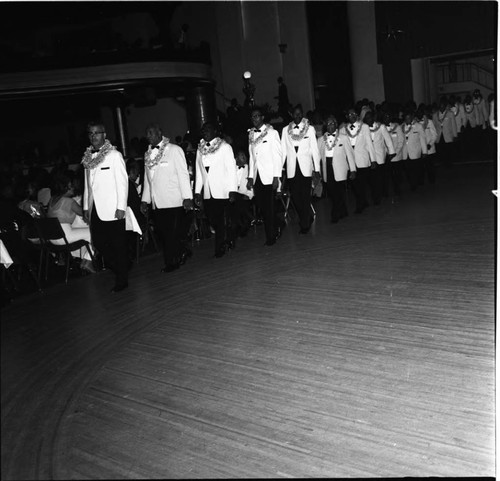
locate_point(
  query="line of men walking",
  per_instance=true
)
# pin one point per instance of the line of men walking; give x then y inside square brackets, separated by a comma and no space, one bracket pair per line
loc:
[373,155]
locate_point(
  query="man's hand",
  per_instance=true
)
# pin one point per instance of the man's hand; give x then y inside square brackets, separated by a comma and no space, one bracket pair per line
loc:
[352,175]
[144,208]
[86,216]
[391,156]
[232,197]
[249,183]
[316,178]
[197,200]
[119,214]
[428,147]
[187,204]
[276,183]
[373,165]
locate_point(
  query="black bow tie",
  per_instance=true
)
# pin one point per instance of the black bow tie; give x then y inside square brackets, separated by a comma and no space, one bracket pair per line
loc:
[297,126]
[352,126]
[208,144]
[331,135]
[155,147]
[241,167]
[256,130]
[94,151]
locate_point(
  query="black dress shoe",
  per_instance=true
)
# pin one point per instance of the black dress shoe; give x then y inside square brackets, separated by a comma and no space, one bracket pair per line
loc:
[230,245]
[220,253]
[270,242]
[304,230]
[170,268]
[334,220]
[119,287]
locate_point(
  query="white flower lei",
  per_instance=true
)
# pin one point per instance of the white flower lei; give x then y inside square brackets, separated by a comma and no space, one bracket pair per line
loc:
[407,128]
[335,140]
[148,161]
[256,141]
[91,163]
[349,131]
[214,146]
[393,129]
[302,131]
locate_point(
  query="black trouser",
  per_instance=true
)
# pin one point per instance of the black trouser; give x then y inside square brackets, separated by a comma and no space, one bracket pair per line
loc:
[110,239]
[396,176]
[445,152]
[215,210]
[300,190]
[264,199]
[412,172]
[168,224]
[386,175]
[429,169]
[376,183]
[336,192]
[360,186]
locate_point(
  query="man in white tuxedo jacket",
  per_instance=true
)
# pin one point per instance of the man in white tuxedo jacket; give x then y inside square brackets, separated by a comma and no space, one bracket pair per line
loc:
[105,202]
[264,171]
[300,153]
[424,117]
[167,188]
[364,156]
[396,161]
[337,158]
[382,144]
[414,148]
[216,176]
[446,130]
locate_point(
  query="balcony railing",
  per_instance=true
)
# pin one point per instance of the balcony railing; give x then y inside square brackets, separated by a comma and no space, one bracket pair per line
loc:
[465,72]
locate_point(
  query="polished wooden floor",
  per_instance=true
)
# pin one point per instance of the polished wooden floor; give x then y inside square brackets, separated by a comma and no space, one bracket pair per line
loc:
[364,349]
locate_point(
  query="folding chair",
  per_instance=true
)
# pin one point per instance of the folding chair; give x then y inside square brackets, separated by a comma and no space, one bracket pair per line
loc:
[50,229]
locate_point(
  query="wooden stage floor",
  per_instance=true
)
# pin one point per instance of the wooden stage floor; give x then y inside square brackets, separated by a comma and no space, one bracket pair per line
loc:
[364,349]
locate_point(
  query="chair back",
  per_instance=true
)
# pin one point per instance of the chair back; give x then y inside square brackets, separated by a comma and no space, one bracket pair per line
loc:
[50,229]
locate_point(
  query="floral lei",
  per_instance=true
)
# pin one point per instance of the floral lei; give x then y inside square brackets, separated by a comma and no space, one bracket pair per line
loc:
[214,146]
[256,141]
[348,130]
[302,131]
[393,129]
[149,162]
[91,163]
[376,127]
[335,140]
[407,128]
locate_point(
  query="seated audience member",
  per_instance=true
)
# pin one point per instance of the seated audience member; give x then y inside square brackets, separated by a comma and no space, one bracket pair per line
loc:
[63,207]
[30,203]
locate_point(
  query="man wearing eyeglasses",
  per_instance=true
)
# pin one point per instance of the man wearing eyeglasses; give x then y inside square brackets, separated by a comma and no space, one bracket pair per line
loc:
[105,202]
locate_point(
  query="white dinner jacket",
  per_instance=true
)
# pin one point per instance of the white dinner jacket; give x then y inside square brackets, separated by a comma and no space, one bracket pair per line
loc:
[382,142]
[307,155]
[470,115]
[445,125]
[342,157]
[460,118]
[430,135]
[414,141]
[364,152]
[242,179]
[167,184]
[481,112]
[221,177]
[398,139]
[106,186]
[265,156]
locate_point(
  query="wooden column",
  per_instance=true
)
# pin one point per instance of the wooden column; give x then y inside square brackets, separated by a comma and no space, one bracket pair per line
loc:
[200,106]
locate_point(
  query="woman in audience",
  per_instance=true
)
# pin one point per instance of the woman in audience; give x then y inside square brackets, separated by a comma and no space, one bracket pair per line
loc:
[63,207]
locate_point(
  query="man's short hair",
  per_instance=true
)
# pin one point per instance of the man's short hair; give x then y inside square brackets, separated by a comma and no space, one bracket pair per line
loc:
[96,123]
[154,126]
